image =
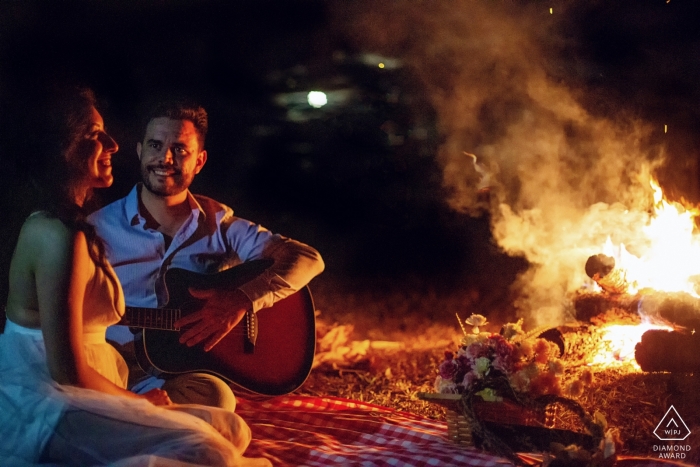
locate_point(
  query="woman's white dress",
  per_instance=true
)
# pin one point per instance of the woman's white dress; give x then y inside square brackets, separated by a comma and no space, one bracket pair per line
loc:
[83,427]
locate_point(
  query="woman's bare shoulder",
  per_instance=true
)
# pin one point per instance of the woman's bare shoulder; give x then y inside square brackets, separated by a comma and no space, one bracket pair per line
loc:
[42,232]
[44,245]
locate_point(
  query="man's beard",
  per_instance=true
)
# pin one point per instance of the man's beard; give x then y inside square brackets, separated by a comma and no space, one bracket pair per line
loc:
[181,182]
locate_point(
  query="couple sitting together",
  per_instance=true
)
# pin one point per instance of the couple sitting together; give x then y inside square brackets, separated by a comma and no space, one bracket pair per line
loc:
[64,398]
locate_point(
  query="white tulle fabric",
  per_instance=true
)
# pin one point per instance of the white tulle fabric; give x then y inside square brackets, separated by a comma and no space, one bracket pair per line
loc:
[85,427]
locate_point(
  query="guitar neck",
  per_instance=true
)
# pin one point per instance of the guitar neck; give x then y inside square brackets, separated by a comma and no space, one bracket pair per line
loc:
[151,318]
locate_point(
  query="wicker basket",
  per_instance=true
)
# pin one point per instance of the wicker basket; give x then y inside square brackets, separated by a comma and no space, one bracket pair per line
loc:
[459,429]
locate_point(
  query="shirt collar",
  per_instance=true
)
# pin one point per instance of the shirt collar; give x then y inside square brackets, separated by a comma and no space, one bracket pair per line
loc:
[132,206]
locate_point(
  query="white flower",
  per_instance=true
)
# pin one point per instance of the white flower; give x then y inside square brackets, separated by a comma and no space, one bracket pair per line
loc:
[445,386]
[476,321]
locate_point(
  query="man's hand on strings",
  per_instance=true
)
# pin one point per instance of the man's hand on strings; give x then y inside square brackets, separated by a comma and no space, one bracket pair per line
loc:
[222,311]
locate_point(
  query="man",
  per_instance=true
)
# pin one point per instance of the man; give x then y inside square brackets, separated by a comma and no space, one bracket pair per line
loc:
[160,225]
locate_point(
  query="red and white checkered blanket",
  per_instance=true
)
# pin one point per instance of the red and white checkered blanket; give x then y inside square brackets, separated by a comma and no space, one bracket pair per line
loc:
[312,431]
[320,432]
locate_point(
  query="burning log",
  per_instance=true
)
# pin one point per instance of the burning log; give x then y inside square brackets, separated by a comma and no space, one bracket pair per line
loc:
[670,351]
[588,305]
[678,309]
[601,268]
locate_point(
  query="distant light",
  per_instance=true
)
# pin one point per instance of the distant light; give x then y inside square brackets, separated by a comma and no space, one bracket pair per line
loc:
[376,60]
[317,99]
[665,128]
[551,11]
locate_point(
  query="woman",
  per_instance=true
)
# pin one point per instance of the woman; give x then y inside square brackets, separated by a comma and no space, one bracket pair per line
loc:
[62,387]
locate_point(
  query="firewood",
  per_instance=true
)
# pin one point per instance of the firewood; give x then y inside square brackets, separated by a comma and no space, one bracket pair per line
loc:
[677,309]
[601,268]
[668,351]
[599,265]
[590,304]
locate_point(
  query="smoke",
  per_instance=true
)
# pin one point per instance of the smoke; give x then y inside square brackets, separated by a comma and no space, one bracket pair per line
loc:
[562,178]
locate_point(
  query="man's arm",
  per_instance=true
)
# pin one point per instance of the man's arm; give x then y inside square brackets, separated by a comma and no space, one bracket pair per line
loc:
[294,264]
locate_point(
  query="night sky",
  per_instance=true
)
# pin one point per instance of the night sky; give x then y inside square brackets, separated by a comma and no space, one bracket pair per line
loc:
[359,178]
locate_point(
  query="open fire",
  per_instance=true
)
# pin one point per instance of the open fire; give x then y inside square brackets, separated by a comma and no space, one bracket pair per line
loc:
[669,263]
[671,259]
[617,344]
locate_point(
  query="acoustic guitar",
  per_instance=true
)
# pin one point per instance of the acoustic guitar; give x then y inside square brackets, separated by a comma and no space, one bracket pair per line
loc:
[269,352]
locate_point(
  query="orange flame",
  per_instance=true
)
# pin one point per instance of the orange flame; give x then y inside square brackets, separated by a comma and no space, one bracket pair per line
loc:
[671,263]
[672,260]
[616,345]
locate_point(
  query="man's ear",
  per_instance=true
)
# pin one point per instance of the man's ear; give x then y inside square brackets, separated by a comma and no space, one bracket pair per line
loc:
[201,160]
[138,150]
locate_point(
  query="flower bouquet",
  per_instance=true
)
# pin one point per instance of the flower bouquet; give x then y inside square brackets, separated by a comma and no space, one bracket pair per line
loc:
[530,365]
[508,386]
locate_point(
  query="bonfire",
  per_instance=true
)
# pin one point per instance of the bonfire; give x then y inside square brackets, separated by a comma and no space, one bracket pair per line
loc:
[629,349]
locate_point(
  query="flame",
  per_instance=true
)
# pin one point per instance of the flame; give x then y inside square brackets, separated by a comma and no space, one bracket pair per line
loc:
[672,259]
[670,263]
[617,342]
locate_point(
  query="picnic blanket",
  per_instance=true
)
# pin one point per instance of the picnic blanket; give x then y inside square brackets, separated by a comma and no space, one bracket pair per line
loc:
[327,431]
[318,432]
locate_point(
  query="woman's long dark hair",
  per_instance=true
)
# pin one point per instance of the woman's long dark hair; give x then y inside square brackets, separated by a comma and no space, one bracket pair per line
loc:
[62,123]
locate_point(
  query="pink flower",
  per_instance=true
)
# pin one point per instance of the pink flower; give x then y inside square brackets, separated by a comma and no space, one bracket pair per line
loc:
[503,364]
[502,347]
[469,379]
[477,350]
[531,365]
[447,369]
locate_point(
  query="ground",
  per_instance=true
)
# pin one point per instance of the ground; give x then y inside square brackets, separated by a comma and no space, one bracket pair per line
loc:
[388,350]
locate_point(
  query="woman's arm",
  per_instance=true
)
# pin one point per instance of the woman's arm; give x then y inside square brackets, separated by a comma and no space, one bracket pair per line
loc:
[62,268]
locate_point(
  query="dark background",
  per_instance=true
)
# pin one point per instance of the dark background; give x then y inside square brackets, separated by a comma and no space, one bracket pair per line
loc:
[336,177]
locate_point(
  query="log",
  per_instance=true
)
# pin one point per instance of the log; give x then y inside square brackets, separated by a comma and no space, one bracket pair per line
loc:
[588,305]
[668,351]
[601,268]
[599,265]
[677,309]
[555,336]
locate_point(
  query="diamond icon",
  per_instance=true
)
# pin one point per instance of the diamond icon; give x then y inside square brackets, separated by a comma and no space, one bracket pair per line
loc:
[672,427]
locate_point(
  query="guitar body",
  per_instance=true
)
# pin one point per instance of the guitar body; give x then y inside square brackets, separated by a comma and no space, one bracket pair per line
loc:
[283,352]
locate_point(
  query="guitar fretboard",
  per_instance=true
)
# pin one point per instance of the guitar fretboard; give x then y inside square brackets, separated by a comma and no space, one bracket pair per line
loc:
[151,318]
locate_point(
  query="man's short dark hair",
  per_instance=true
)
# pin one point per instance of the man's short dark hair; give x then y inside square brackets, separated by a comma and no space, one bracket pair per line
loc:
[183,109]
